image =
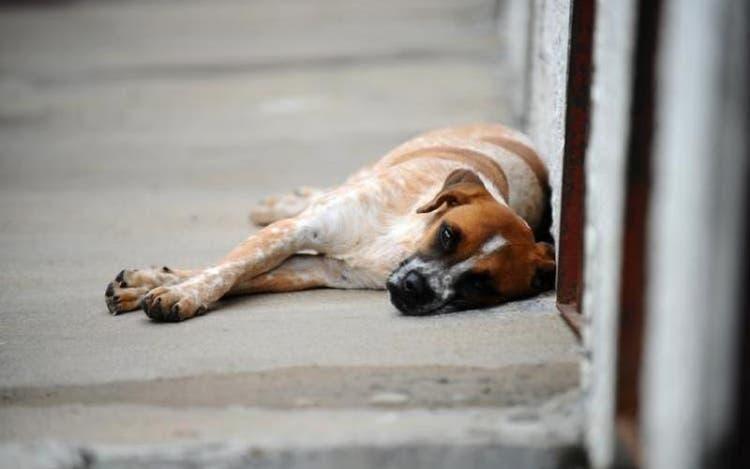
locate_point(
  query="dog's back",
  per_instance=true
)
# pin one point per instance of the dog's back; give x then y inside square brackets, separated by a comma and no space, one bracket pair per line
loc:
[525,175]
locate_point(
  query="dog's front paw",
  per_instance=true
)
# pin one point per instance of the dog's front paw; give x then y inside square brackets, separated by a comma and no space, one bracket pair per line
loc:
[172,304]
[126,291]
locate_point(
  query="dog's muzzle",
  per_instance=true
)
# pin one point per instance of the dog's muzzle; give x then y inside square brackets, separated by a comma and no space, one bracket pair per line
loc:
[411,293]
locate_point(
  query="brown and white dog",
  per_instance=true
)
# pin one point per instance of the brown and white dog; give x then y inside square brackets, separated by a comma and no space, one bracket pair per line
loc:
[452,219]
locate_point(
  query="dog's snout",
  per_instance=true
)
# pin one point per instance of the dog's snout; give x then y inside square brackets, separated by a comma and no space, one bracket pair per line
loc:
[414,283]
[410,293]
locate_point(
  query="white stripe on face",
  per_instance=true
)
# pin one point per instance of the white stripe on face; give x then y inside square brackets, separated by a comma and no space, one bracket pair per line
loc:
[493,244]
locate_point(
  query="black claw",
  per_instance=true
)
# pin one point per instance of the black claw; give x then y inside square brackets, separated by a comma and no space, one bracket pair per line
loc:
[166,269]
[159,314]
[173,315]
[110,290]
[123,284]
[150,312]
[115,299]
[120,276]
[112,307]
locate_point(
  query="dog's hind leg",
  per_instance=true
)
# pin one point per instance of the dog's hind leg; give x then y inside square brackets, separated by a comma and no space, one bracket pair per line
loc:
[279,207]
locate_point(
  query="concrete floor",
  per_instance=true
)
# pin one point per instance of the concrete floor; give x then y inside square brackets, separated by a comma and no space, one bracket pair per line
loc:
[138,133]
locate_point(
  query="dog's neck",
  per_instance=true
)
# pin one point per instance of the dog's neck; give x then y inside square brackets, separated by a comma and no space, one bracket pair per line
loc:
[488,169]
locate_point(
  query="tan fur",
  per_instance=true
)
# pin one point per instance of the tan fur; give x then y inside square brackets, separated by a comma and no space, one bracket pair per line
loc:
[472,159]
[499,135]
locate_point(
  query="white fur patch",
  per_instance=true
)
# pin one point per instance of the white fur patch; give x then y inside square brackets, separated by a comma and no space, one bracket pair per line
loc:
[493,244]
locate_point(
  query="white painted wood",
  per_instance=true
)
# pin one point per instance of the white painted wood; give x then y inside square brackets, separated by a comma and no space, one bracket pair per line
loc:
[695,232]
[605,169]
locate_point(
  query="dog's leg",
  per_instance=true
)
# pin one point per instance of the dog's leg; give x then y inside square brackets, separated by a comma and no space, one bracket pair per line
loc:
[256,255]
[275,208]
[125,292]
[299,272]
[303,272]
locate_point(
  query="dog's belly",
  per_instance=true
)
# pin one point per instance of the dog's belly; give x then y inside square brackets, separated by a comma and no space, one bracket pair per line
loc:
[371,223]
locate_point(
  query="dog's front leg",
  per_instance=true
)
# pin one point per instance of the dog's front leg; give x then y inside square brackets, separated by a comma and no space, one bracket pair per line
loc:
[306,271]
[256,255]
[126,291]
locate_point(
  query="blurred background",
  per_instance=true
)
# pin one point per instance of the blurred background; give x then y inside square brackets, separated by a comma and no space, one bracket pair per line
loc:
[116,116]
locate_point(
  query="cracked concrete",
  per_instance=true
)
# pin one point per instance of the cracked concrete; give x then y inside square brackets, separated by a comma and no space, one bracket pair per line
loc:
[138,133]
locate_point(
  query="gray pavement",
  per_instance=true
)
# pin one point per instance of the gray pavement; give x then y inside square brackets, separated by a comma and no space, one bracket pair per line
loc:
[138,133]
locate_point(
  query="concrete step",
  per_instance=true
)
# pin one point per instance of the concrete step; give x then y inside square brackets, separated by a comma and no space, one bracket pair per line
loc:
[117,435]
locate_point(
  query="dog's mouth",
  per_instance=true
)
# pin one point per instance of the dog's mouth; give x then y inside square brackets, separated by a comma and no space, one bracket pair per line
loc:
[407,309]
[422,287]
[411,310]
[419,303]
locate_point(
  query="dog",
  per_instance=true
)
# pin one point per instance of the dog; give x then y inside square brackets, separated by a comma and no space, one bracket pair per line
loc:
[454,219]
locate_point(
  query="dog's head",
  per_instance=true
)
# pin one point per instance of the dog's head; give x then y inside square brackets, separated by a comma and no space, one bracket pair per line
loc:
[475,253]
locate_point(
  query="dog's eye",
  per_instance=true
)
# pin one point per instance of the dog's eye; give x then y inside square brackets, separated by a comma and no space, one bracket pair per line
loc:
[447,237]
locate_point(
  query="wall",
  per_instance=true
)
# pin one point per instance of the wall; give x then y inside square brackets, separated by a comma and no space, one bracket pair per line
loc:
[547,74]
[700,175]
[514,31]
[604,174]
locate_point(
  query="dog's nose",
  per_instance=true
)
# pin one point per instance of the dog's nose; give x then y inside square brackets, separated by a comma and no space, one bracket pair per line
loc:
[410,293]
[414,284]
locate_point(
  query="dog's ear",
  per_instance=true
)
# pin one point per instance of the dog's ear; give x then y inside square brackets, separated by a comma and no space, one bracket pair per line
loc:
[459,187]
[544,275]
